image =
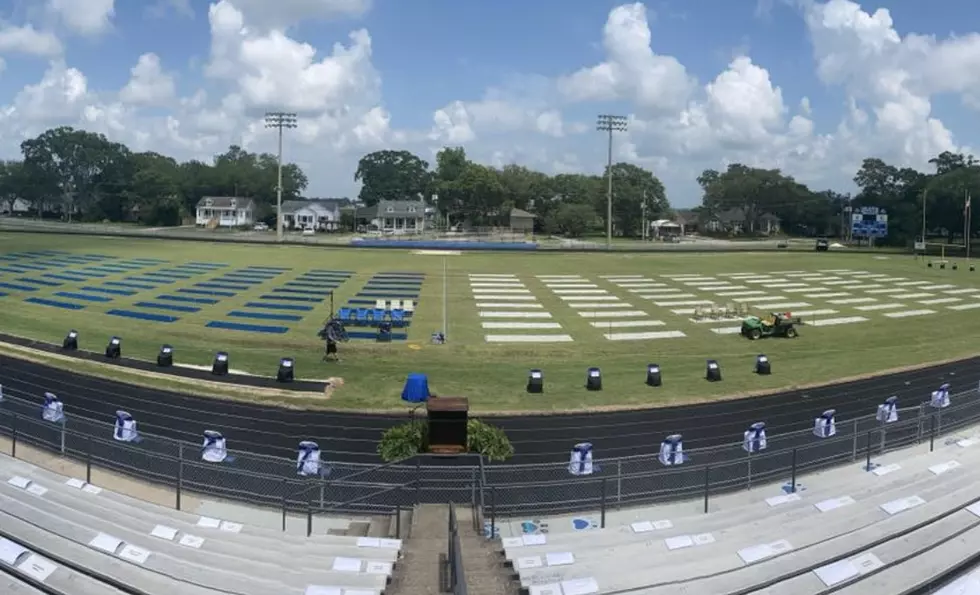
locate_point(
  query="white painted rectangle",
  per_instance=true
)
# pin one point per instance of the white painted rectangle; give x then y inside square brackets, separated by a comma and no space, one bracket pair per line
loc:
[842,283]
[730,330]
[876,307]
[961,291]
[783,499]
[507,298]
[886,469]
[662,295]
[936,287]
[944,467]
[739,294]
[491,275]
[864,300]
[580,292]
[780,305]
[909,296]
[644,336]
[477,290]
[684,311]
[785,285]
[836,573]
[520,325]
[713,320]
[965,307]
[509,305]
[627,323]
[936,301]
[528,338]
[508,314]
[560,277]
[806,313]
[617,277]
[511,285]
[834,503]
[589,298]
[599,305]
[684,303]
[825,294]
[763,551]
[913,283]
[612,314]
[679,542]
[571,285]
[642,285]
[888,290]
[907,313]
[902,504]
[837,321]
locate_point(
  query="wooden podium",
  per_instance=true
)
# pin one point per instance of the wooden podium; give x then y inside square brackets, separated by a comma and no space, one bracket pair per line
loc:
[447,424]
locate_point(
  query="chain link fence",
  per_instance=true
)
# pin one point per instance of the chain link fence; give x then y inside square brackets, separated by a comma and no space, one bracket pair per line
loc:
[493,490]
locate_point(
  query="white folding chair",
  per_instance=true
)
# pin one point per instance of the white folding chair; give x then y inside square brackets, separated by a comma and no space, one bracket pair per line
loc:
[383,304]
[396,304]
[408,306]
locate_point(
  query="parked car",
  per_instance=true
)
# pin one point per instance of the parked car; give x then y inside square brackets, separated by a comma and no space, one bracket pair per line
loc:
[261,227]
[822,245]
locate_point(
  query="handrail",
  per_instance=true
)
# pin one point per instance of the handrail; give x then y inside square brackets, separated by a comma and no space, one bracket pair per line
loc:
[454,555]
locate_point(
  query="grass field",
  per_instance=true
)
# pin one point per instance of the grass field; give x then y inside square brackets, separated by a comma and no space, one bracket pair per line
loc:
[615,311]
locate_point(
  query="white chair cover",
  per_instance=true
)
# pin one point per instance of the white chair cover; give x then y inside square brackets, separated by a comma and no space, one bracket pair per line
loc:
[888,411]
[54,409]
[215,448]
[672,450]
[125,428]
[1,393]
[755,437]
[940,397]
[580,462]
[825,426]
[308,459]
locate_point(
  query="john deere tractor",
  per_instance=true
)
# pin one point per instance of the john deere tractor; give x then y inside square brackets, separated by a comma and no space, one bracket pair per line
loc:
[774,325]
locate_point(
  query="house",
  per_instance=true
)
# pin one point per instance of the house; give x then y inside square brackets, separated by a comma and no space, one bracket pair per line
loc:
[394,216]
[733,221]
[18,206]
[521,221]
[663,228]
[322,215]
[225,211]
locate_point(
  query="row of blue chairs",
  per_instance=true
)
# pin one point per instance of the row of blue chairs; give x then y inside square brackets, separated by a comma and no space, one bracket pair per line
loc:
[372,316]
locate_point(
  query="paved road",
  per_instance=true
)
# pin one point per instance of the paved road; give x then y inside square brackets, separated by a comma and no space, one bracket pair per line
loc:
[537,439]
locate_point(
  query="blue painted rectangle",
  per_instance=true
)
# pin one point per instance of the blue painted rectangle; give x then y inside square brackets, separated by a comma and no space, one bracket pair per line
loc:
[373,336]
[84,297]
[189,300]
[88,274]
[72,278]
[111,270]
[32,267]
[205,265]
[144,260]
[387,294]
[328,272]
[54,303]
[301,291]
[290,298]
[311,285]
[383,287]
[166,307]
[40,282]
[251,328]
[143,316]
[165,275]
[264,316]
[270,306]
[277,269]
[207,292]
[222,286]
[17,287]
[129,285]
[110,291]
[237,280]
[145,279]
[17,270]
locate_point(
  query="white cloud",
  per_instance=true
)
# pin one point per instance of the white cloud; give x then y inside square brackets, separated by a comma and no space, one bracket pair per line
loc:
[85,17]
[148,85]
[28,40]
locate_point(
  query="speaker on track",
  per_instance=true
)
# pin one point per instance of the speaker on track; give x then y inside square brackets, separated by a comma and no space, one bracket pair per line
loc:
[448,417]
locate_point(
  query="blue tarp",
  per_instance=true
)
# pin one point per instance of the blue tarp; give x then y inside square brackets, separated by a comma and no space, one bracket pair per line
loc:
[416,388]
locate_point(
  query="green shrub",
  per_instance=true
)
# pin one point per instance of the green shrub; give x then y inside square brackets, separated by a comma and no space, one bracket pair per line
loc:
[408,439]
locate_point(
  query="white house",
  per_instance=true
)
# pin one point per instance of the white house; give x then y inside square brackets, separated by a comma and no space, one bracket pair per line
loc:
[225,211]
[322,215]
[19,206]
[395,216]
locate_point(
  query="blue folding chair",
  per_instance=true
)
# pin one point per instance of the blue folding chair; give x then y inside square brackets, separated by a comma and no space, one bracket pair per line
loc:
[362,316]
[398,318]
[379,315]
[344,314]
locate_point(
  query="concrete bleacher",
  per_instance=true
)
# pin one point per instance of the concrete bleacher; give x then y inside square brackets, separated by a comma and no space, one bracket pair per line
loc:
[162,550]
[834,531]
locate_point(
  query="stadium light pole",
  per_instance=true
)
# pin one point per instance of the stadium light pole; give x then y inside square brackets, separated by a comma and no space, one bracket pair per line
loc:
[279,121]
[610,123]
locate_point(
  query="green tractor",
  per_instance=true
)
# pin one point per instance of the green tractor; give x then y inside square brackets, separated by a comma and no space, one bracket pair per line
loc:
[775,325]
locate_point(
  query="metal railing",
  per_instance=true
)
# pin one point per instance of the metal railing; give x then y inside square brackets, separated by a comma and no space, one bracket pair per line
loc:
[495,491]
[455,574]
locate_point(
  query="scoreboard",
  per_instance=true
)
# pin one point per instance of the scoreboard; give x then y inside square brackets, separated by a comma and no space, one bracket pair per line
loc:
[869,222]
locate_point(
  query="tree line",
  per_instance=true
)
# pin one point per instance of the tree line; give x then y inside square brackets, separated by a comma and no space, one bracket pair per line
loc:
[79,174]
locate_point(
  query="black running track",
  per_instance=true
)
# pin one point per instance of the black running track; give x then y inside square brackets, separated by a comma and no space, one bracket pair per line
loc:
[538,440]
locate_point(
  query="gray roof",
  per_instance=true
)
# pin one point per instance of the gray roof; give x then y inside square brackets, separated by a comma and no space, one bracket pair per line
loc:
[521,214]
[399,208]
[224,202]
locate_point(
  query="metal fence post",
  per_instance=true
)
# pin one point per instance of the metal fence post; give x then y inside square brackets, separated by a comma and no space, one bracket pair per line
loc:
[854,450]
[619,484]
[748,475]
[64,424]
[180,472]
[398,512]
[882,447]
[285,490]
[309,517]
[493,511]
[792,474]
[418,481]
[602,504]
[932,432]
[88,460]
[707,486]
[867,463]
[13,436]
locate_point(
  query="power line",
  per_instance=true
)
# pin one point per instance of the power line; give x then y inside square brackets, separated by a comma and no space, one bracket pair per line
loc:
[279,121]
[610,123]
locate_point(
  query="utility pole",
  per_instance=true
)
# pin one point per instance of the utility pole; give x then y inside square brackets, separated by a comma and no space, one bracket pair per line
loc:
[279,121]
[610,123]
[925,195]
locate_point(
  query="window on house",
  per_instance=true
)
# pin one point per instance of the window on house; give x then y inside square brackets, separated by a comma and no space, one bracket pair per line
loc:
[208,202]
[390,210]
[411,209]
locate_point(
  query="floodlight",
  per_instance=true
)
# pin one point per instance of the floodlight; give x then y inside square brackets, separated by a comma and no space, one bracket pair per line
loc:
[114,348]
[220,365]
[653,375]
[712,371]
[71,341]
[285,373]
[165,358]
[593,379]
[535,381]
[929,265]
[762,365]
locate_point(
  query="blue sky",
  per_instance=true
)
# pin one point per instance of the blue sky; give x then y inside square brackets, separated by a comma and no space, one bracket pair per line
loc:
[719,81]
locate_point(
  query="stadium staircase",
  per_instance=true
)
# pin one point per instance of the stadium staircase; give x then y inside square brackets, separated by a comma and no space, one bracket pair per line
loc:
[423,567]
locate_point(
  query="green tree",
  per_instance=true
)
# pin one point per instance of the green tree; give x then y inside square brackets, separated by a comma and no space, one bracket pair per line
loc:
[392,175]
[451,164]
[11,184]
[634,187]
[572,220]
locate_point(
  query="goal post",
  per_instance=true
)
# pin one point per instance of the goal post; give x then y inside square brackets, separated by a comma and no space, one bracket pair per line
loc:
[930,250]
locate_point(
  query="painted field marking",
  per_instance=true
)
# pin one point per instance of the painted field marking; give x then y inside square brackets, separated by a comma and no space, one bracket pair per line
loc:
[492,276]
[557,286]
[805,289]
[910,296]
[833,270]
[838,283]
[761,280]
[627,323]
[785,285]
[600,305]
[714,320]
[612,314]
[489,305]
[964,307]
[667,296]
[825,312]
[684,303]
[936,287]
[580,292]
[793,272]
[864,300]
[738,294]
[865,287]
[826,294]
[937,301]
[586,298]
[644,336]
[560,277]
[875,307]
[611,277]
[907,313]
[961,291]
[913,283]
[516,284]
[730,330]
[687,277]
[528,338]
[836,321]
[889,290]
[520,325]
[641,285]
[505,314]
[780,305]
[507,298]
[497,290]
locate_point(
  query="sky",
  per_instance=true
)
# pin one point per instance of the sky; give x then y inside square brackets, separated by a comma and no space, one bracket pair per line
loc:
[810,87]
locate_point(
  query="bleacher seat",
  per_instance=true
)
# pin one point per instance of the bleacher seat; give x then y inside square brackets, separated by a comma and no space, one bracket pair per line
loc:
[362,317]
[398,318]
[380,304]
